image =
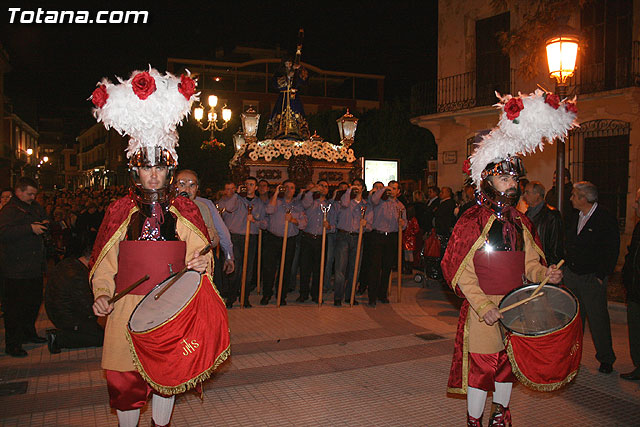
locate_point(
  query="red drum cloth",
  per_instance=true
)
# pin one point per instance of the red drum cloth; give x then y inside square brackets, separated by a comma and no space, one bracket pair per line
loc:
[184,350]
[127,390]
[546,362]
[499,272]
[485,369]
[139,257]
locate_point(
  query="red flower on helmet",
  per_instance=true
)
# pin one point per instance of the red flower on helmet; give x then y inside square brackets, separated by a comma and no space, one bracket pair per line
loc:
[143,85]
[553,100]
[187,86]
[466,167]
[513,108]
[99,96]
[571,107]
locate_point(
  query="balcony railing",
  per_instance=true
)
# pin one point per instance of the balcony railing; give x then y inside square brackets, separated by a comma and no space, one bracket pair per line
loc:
[599,77]
[457,93]
[461,91]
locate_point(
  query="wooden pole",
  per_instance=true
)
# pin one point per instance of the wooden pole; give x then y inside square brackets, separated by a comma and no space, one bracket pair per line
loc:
[247,235]
[259,266]
[324,242]
[546,279]
[363,209]
[399,256]
[129,289]
[284,252]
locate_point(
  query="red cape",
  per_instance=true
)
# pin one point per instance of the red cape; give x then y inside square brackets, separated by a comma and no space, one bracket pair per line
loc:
[468,236]
[119,214]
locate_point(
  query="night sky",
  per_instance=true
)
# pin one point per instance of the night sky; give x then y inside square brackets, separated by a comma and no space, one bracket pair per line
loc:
[55,66]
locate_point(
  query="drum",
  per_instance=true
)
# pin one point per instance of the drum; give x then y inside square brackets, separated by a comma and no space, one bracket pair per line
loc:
[178,339]
[543,336]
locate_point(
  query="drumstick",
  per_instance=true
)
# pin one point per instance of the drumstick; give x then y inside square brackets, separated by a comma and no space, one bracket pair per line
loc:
[259,261]
[284,251]
[129,289]
[546,279]
[517,304]
[324,241]
[363,209]
[399,256]
[180,274]
[244,259]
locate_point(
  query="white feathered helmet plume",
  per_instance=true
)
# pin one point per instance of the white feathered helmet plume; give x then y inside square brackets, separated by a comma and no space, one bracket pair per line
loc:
[148,107]
[526,121]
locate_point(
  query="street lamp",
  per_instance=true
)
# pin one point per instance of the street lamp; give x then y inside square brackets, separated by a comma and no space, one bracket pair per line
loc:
[29,151]
[45,159]
[212,116]
[250,120]
[562,51]
[347,125]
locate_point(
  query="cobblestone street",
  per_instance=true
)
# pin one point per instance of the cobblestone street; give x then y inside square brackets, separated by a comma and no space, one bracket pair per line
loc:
[301,365]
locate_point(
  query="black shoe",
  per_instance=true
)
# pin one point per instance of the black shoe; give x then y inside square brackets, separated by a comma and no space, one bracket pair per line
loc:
[314,300]
[384,300]
[247,305]
[348,301]
[337,302]
[265,300]
[16,351]
[606,368]
[283,301]
[371,304]
[34,339]
[301,298]
[229,305]
[52,342]
[631,376]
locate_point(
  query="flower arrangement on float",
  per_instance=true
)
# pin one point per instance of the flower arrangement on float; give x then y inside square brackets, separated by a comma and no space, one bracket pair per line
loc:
[271,149]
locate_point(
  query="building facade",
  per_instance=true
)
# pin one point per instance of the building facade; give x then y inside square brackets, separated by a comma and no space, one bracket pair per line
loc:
[101,158]
[472,65]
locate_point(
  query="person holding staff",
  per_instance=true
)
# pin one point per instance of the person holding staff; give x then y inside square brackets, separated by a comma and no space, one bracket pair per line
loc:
[388,214]
[313,200]
[236,216]
[280,210]
[349,220]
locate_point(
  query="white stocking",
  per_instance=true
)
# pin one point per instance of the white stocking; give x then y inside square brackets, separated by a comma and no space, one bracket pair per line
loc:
[502,395]
[161,408]
[475,401]
[128,418]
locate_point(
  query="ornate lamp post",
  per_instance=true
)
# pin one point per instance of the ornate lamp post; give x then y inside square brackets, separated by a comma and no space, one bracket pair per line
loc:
[212,116]
[250,120]
[347,125]
[562,51]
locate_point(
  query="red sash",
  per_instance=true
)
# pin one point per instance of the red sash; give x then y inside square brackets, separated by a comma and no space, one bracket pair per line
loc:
[499,272]
[139,257]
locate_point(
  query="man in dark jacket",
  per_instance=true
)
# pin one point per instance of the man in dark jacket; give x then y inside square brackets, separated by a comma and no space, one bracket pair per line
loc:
[631,279]
[445,218]
[547,220]
[593,245]
[68,300]
[22,226]
[569,213]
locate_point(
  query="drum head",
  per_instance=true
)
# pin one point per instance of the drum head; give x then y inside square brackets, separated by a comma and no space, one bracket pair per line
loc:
[553,310]
[151,312]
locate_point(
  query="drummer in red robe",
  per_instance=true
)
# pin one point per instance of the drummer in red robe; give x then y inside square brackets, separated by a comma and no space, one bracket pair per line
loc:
[492,250]
[149,232]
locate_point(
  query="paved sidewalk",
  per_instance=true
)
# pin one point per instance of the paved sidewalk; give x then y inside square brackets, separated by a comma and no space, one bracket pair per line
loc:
[301,365]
